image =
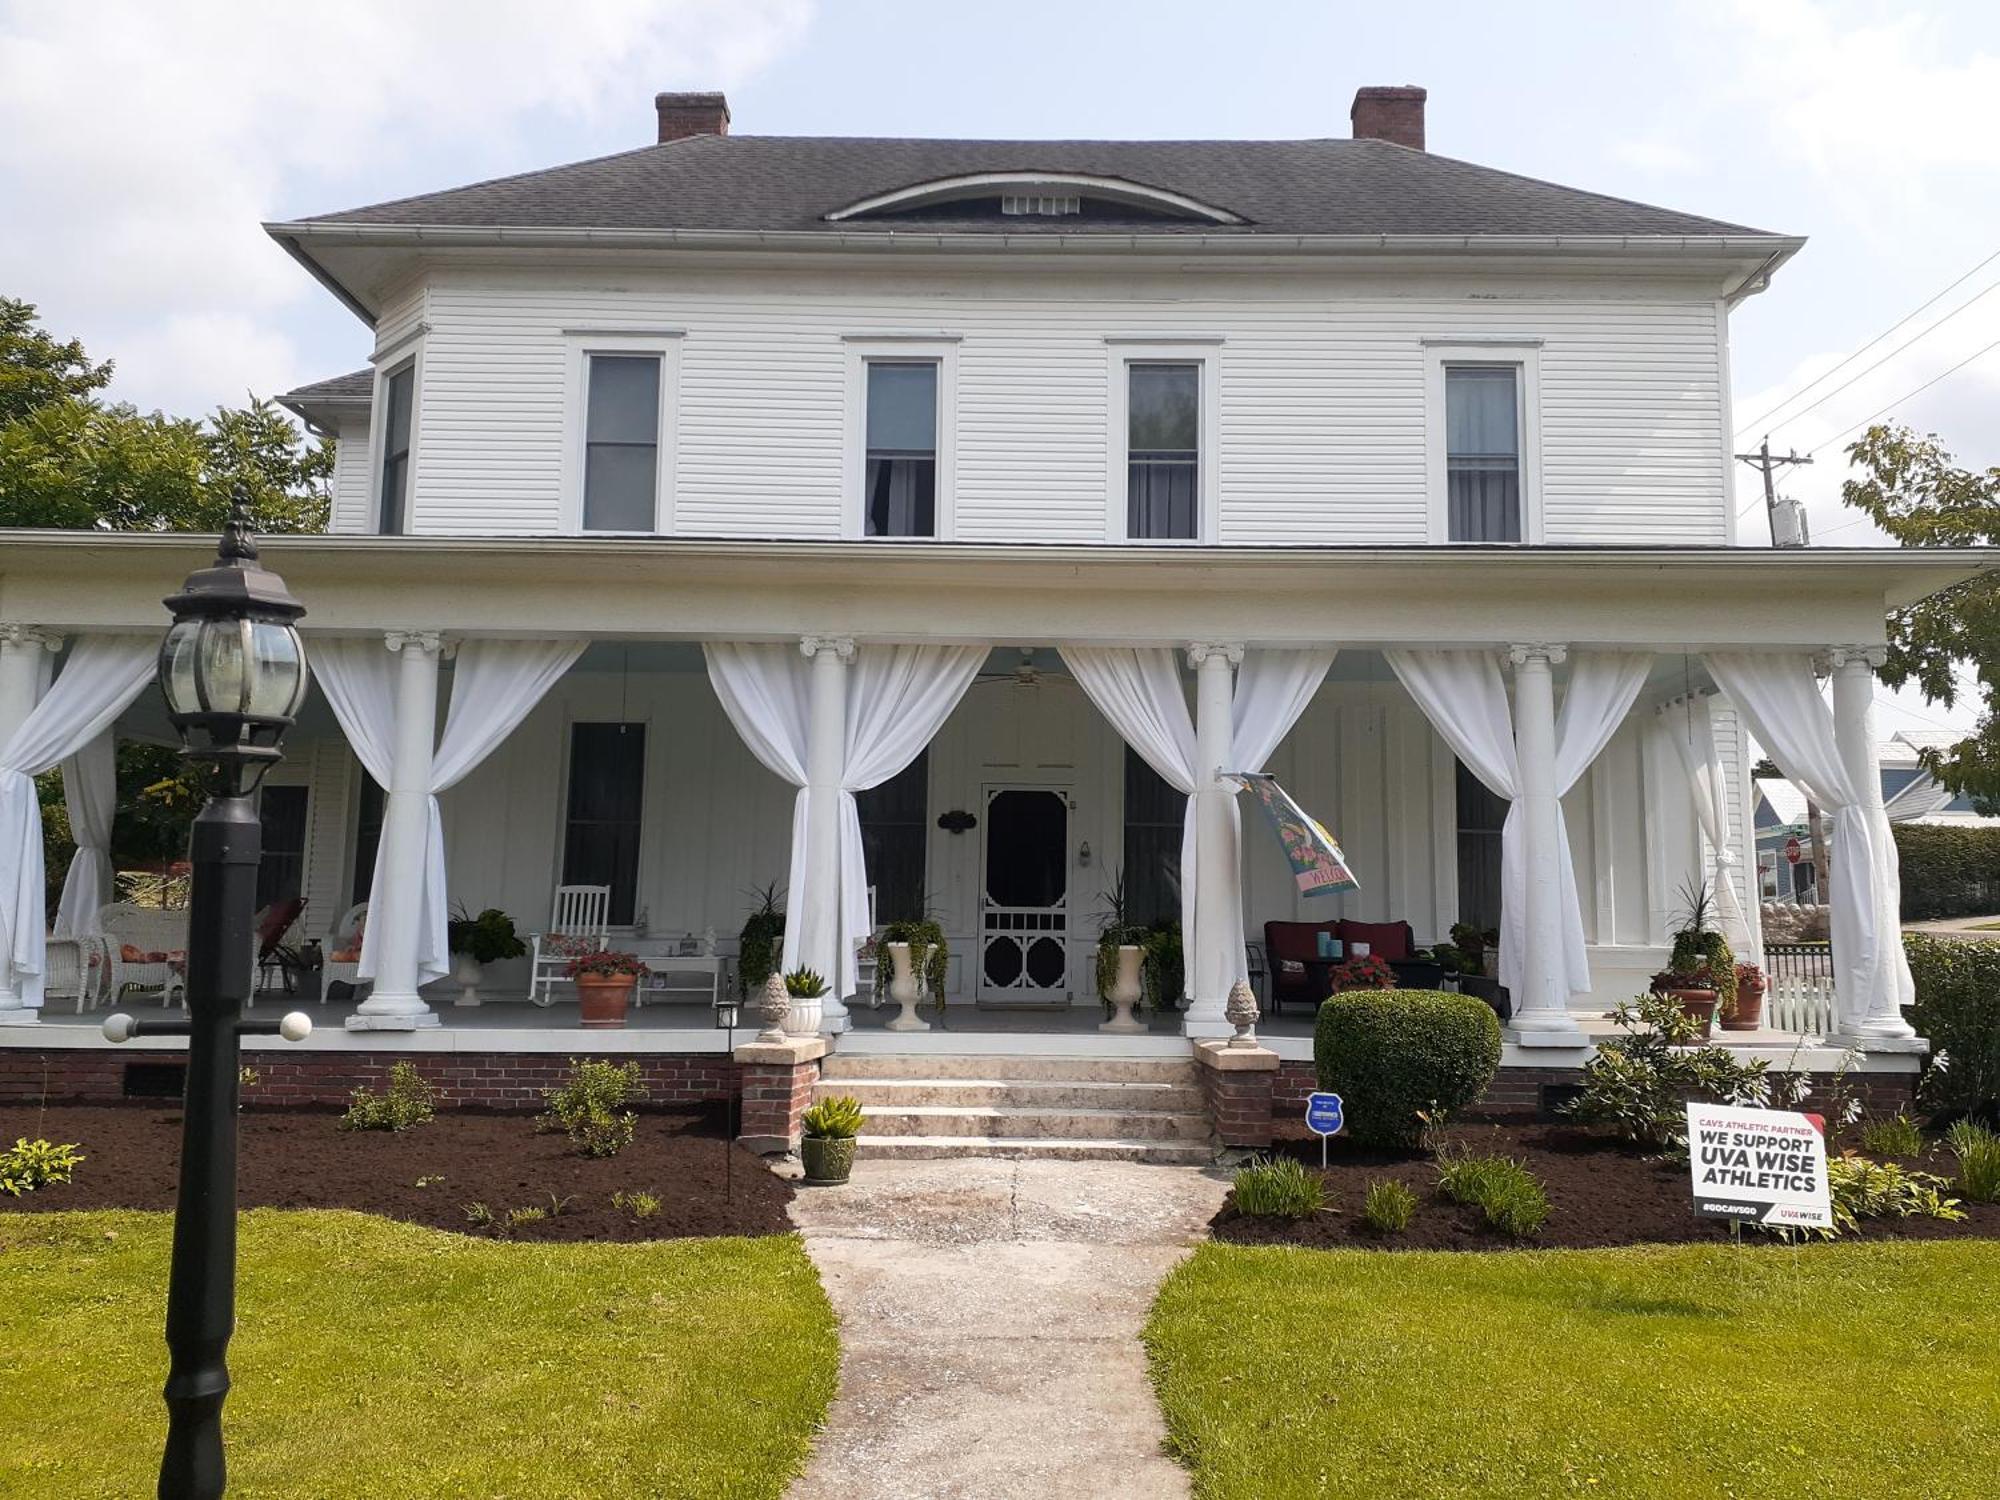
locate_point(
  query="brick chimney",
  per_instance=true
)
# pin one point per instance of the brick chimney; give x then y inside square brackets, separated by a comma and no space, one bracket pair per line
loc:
[1395,115]
[683,115]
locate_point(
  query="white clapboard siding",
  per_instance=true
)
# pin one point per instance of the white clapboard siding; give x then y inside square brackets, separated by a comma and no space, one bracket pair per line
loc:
[351,487]
[1321,400]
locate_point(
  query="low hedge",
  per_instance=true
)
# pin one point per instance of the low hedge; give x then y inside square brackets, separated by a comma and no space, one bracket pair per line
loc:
[1948,872]
[1394,1056]
[1958,1010]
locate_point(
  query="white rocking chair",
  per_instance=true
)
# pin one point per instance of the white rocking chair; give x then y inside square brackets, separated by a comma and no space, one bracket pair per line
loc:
[580,923]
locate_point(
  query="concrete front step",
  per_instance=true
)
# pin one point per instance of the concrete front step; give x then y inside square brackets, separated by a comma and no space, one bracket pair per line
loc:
[1010,1069]
[920,1147]
[1038,1124]
[974,1093]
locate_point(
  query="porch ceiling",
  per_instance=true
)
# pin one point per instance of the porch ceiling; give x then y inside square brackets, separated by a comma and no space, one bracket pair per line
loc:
[667,589]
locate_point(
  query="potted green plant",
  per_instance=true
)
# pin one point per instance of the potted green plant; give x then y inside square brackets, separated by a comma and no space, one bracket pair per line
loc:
[1698,944]
[488,938]
[1164,966]
[917,969]
[1751,987]
[808,993]
[1121,953]
[604,983]
[827,1149]
[1692,986]
[759,943]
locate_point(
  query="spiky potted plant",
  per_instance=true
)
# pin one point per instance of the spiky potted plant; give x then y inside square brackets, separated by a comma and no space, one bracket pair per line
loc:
[808,991]
[827,1149]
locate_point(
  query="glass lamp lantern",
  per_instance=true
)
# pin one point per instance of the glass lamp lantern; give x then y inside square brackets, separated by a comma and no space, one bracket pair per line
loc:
[232,667]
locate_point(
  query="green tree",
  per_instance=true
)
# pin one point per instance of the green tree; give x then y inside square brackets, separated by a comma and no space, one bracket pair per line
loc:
[1913,489]
[71,460]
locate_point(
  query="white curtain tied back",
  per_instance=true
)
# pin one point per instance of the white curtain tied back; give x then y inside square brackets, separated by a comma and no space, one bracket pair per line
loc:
[897,698]
[495,685]
[98,683]
[1690,726]
[1464,695]
[90,796]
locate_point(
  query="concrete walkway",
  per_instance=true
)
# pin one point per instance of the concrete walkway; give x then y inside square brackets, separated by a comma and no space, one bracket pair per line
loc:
[989,1323]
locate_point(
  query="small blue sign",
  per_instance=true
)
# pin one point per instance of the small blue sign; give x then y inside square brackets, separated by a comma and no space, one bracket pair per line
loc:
[1324,1114]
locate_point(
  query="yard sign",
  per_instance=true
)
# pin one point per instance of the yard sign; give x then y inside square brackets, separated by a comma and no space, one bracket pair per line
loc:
[1325,1114]
[1318,866]
[1764,1166]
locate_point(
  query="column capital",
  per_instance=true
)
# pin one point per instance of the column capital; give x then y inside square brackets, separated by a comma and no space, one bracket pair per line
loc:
[841,646]
[1872,657]
[1546,653]
[431,641]
[1199,652]
[31,636]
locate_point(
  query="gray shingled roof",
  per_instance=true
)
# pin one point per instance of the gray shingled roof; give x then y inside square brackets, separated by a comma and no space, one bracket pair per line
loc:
[791,183]
[356,385]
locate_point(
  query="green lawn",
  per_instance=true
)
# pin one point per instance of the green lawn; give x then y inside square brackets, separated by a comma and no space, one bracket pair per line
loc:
[1853,1370]
[375,1358]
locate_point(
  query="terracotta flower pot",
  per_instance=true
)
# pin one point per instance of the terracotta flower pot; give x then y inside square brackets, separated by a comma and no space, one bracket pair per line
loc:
[1749,1012]
[1699,1004]
[603,999]
[827,1159]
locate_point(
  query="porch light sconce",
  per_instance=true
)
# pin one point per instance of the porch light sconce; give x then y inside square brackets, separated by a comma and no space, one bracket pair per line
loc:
[1083,854]
[957,821]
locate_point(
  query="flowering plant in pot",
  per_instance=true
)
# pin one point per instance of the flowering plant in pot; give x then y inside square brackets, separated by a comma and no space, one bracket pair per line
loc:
[1368,973]
[604,983]
[1692,986]
[827,1149]
[1747,1014]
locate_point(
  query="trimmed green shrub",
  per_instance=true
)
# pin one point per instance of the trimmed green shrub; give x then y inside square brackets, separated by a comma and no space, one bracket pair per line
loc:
[1978,1152]
[1511,1195]
[407,1101]
[1389,1206]
[28,1165]
[1397,1056]
[589,1106]
[1279,1188]
[1958,1009]
[1948,872]
[1896,1136]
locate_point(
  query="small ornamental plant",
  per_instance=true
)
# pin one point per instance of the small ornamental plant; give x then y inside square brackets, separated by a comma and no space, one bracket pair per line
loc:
[489,937]
[1389,1206]
[805,984]
[590,1106]
[1978,1153]
[407,1101]
[28,1165]
[1511,1196]
[604,964]
[1370,973]
[1278,1188]
[830,1127]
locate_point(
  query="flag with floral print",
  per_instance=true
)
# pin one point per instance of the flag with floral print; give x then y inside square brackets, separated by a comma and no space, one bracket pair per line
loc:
[1317,863]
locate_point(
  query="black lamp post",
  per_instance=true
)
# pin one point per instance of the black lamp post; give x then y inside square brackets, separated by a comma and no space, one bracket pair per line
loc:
[234,673]
[725,1017]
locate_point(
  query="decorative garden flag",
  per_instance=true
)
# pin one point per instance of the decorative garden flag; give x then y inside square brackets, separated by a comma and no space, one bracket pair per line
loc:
[1317,863]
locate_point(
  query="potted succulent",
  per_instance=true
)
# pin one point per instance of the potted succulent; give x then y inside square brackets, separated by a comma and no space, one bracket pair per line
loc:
[1748,1012]
[604,983]
[827,1149]
[808,992]
[488,938]
[1692,986]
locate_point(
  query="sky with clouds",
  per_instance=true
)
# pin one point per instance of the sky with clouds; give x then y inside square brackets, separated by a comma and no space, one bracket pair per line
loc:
[141,145]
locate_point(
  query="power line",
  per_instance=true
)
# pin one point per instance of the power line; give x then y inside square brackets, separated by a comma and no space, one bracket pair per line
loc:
[1903,348]
[1753,424]
[1879,411]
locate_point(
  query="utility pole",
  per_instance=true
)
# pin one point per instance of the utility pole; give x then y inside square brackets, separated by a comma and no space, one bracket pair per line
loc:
[1789,530]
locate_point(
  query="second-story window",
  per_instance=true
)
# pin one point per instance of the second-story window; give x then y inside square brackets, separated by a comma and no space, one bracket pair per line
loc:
[399,398]
[899,496]
[621,450]
[1163,452]
[1482,407]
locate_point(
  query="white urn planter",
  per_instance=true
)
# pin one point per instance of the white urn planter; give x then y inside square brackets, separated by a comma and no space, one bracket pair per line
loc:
[467,972]
[906,987]
[805,1015]
[1125,991]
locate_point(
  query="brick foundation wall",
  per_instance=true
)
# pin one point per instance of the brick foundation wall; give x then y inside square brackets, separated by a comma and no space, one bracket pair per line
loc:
[775,1096]
[1239,1103]
[488,1080]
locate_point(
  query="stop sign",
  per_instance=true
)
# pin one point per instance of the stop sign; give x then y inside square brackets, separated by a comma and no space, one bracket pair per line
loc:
[1791,851]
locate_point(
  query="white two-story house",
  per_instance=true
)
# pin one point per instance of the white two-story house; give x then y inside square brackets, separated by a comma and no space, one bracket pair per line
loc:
[933,525]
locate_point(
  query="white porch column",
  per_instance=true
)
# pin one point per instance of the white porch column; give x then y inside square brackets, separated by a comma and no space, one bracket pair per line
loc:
[1875,1020]
[24,662]
[826,752]
[395,906]
[1217,875]
[1541,1005]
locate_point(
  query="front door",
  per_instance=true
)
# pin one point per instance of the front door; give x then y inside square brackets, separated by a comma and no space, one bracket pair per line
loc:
[1024,896]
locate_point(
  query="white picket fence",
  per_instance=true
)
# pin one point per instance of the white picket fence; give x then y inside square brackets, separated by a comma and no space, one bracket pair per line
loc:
[1800,1004]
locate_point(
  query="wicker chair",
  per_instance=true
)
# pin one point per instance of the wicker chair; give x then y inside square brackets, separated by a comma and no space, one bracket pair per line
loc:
[344,938]
[78,968]
[147,950]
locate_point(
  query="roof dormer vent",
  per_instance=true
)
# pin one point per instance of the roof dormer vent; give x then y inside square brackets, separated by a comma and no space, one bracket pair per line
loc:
[1040,206]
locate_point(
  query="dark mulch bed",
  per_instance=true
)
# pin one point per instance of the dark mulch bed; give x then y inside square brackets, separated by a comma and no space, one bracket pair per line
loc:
[301,1158]
[1602,1192]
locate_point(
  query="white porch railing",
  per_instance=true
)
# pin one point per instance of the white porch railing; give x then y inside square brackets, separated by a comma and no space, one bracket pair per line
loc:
[1799,1003]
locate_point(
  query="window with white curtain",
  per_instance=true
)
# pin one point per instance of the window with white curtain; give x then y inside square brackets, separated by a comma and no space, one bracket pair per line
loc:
[621,450]
[900,478]
[1482,406]
[1163,452]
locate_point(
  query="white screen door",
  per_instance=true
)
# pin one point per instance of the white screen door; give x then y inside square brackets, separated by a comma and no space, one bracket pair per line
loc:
[1024,895]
